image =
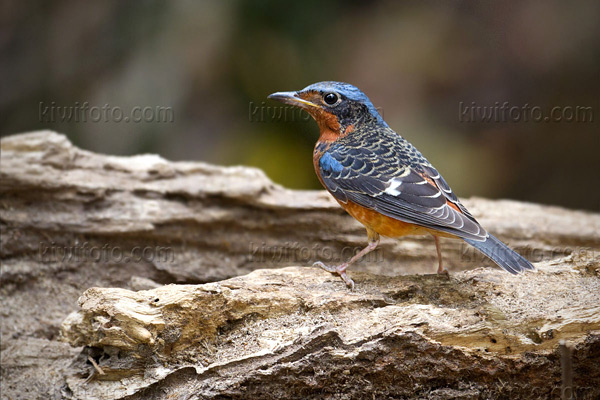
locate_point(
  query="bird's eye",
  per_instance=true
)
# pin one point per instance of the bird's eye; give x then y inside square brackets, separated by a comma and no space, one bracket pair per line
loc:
[331,98]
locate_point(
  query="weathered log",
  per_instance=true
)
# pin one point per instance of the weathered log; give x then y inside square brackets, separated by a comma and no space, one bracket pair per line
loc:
[298,333]
[71,220]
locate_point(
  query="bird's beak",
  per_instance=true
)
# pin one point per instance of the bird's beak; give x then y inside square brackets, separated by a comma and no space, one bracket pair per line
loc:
[293,99]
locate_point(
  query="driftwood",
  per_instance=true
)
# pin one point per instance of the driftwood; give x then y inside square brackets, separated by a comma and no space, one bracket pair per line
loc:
[73,220]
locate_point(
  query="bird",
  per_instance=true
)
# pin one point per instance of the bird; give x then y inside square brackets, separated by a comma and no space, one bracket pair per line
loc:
[383,181]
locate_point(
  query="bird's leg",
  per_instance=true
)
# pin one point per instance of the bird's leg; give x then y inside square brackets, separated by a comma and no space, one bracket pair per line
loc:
[441,269]
[341,269]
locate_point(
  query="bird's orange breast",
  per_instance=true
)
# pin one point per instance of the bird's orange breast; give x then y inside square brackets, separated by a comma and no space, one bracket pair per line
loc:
[380,223]
[384,225]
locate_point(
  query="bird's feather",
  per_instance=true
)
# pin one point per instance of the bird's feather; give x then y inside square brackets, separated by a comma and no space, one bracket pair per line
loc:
[390,176]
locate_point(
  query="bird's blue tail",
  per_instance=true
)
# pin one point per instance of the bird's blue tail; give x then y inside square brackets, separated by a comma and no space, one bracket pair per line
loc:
[502,255]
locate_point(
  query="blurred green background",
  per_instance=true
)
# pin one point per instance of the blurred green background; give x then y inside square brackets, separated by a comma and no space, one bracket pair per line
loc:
[214,62]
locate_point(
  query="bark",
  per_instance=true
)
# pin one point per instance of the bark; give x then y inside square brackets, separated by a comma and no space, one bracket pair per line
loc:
[128,228]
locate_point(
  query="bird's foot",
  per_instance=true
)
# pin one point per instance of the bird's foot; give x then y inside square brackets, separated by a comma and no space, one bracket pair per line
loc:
[443,271]
[337,270]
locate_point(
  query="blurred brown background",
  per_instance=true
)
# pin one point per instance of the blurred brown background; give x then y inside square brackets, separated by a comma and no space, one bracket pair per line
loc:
[214,62]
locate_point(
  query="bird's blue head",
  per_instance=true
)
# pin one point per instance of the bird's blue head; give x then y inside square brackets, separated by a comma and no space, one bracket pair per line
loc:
[338,107]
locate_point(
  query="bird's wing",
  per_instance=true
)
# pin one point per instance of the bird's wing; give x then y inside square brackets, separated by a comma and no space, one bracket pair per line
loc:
[413,193]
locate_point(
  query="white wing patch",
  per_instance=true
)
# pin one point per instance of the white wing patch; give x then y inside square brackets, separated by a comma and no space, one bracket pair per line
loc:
[392,189]
[394,183]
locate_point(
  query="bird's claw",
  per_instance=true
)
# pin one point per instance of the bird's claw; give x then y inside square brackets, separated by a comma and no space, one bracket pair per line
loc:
[443,272]
[337,270]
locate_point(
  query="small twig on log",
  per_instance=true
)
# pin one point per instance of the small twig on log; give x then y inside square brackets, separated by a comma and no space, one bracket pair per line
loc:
[96,366]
